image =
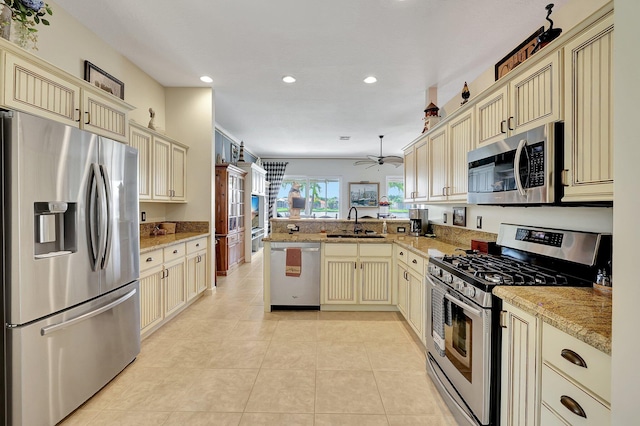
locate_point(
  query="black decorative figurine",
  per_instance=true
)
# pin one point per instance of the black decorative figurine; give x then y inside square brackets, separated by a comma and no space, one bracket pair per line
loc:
[549,35]
[465,94]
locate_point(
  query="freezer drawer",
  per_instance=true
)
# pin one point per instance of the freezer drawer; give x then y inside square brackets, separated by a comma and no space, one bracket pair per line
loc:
[59,362]
[295,291]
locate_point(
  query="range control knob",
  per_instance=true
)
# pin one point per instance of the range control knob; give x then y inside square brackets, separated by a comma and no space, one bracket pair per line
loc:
[458,284]
[469,291]
[447,277]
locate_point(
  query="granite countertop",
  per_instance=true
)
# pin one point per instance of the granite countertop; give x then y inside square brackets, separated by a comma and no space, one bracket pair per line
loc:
[150,243]
[580,312]
[421,245]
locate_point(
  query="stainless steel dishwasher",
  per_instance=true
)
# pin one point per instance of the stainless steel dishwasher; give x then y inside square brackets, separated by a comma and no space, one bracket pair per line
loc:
[302,292]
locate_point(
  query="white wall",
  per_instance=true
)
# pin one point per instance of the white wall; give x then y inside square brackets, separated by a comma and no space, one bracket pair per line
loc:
[347,172]
[626,294]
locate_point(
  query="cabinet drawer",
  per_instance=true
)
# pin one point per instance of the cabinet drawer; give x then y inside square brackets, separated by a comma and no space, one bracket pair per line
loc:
[415,262]
[174,252]
[196,245]
[376,250]
[401,254]
[150,259]
[556,387]
[341,249]
[549,417]
[597,374]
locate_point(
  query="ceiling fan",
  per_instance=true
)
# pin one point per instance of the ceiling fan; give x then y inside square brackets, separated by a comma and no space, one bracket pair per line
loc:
[379,160]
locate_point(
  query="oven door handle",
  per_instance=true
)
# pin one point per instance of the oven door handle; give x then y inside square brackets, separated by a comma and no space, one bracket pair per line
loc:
[516,167]
[463,305]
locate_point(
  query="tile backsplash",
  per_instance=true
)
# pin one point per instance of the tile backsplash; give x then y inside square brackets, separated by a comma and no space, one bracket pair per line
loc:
[147,227]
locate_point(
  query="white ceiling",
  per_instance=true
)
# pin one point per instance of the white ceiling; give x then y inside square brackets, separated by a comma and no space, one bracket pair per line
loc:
[330,46]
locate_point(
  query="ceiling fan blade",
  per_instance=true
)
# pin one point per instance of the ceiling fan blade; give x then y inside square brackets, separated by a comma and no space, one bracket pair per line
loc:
[373,158]
[362,162]
[392,158]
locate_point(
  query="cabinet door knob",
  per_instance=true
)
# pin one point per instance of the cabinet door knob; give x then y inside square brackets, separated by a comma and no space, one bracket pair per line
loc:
[149,259]
[414,261]
[198,245]
[401,253]
[573,358]
[175,252]
[571,405]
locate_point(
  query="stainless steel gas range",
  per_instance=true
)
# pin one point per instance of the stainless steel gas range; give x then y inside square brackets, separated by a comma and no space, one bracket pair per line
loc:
[463,330]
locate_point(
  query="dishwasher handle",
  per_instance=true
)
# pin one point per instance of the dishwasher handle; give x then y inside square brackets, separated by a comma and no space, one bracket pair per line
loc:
[313,249]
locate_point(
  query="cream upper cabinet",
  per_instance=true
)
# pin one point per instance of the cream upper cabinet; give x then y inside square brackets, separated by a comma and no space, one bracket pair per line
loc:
[141,140]
[416,171]
[530,99]
[520,370]
[162,165]
[33,86]
[588,174]
[448,148]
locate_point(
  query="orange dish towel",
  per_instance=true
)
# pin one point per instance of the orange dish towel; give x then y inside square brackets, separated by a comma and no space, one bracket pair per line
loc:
[293,265]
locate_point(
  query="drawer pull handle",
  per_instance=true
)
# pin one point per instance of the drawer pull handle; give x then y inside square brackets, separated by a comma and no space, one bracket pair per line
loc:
[198,245]
[573,358]
[414,261]
[571,405]
[149,259]
[175,252]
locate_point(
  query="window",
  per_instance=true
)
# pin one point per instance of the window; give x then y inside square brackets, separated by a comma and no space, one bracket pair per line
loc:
[395,195]
[322,196]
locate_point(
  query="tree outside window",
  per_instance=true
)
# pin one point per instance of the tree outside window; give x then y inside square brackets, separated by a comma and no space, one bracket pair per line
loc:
[395,195]
[322,196]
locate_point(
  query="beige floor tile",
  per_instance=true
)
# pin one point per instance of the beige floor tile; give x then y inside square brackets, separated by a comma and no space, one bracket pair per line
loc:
[130,418]
[339,331]
[395,356]
[257,313]
[148,389]
[296,315]
[179,353]
[382,331]
[176,329]
[218,390]
[408,420]
[350,420]
[342,356]
[208,330]
[283,391]
[252,330]
[290,355]
[352,392]
[276,419]
[202,418]
[296,331]
[80,417]
[406,392]
[237,354]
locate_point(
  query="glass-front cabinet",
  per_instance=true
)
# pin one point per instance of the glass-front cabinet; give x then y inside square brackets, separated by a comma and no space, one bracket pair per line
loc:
[230,210]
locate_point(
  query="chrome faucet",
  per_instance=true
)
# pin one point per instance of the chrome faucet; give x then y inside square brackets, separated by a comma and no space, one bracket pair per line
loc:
[356,226]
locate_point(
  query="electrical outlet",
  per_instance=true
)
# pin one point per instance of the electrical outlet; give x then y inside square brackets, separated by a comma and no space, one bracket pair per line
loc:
[401,229]
[444,218]
[143,216]
[479,222]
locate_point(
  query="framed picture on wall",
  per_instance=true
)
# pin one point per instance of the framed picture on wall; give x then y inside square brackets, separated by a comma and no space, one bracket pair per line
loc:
[103,80]
[363,194]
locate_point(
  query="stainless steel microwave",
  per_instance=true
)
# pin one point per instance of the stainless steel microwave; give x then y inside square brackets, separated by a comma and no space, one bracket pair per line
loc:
[521,169]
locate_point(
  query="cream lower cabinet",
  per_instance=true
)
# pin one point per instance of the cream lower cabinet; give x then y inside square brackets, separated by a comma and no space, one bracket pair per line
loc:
[162,165]
[196,267]
[411,289]
[170,279]
[576,381]
[588,151]
[357,274]
[33,86]
[520,380]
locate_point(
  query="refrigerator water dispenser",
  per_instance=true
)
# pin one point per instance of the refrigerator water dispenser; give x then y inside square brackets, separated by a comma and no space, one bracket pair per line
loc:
[55,233]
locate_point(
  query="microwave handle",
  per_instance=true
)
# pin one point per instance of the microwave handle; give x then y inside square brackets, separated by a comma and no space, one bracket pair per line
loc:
[516,167]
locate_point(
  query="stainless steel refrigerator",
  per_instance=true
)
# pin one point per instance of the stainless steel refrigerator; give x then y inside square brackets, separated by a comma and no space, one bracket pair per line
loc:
[70,265]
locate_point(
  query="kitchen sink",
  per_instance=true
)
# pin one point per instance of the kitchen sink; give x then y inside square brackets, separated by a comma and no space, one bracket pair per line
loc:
[355,236]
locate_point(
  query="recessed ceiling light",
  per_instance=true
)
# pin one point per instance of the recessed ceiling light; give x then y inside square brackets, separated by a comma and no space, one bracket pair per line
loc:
[288,79]
[370,80]
[206,79]
[344,138]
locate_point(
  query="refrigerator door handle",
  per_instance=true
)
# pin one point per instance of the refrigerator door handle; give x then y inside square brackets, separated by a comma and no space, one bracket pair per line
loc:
[108,202]
[102,214]
[93,231]
[55,327]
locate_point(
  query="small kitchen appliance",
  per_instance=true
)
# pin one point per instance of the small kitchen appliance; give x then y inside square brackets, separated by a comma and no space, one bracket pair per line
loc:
[463,336]
[521,169]
[418,221]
